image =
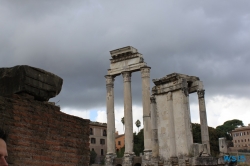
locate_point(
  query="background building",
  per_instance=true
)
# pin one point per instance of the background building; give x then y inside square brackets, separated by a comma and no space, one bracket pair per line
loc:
[119,141]
[241,137]
[98,139]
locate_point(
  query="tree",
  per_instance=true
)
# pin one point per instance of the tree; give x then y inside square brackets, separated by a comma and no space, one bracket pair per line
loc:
[138,124]
[138,142]
[228,126]
[120,153]
[214,136]
[122,120]
[92,157]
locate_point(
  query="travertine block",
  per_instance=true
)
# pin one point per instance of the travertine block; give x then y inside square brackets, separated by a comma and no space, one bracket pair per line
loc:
[39,83]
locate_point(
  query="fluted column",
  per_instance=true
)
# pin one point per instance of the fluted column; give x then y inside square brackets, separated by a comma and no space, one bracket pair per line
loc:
[155,144]
[145,74]
[203,119]
[110,114]
[128,116]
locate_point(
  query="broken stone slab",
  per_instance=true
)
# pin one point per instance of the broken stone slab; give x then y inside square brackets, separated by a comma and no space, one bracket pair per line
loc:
[36,82]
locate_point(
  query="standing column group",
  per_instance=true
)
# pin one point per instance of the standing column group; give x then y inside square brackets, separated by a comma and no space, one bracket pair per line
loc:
[128,115]
[203,119]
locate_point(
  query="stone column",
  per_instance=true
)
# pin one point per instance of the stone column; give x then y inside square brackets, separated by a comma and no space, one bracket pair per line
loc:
[128,116]
[155,144]
[145,74]
[203,119]
[171,125]
[110,120]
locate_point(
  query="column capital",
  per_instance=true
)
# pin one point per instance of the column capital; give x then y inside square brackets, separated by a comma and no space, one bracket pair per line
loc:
[152,99]
[109,79]
[201,93]
[145,71]
[126,76]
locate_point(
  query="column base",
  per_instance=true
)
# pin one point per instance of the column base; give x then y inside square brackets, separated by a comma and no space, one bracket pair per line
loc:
[109,159]
[128,159]
[147,158]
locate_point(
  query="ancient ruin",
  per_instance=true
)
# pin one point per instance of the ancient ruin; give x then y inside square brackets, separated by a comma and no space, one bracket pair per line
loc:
[171,121]
[168,136]
[39,83]
[125,61]
[38,132]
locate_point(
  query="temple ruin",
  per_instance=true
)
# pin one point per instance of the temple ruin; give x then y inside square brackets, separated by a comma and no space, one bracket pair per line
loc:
[125,61]
[168,136]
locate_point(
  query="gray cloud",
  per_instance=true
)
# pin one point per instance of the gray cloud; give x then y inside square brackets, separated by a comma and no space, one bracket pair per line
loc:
[208,39]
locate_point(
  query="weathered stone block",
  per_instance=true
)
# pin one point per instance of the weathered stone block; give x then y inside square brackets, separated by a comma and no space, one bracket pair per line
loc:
[39,83]
[203,161]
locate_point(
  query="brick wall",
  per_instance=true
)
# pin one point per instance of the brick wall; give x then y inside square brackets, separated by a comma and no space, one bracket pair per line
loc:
[41,135]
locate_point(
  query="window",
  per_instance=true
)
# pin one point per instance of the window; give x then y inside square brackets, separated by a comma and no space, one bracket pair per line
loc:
[93,140]
[119,142]
[102,141]
[104,133]
[235,141]
[91,131]
[245,140]
[102,152]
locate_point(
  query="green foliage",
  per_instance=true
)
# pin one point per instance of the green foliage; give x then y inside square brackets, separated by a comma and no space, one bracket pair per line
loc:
[138,142]
[214,136]
[92,157]
[196,130]
[228,126]
[120,153]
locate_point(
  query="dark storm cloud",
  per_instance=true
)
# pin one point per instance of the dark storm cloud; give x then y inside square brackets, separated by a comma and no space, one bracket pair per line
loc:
[208,39]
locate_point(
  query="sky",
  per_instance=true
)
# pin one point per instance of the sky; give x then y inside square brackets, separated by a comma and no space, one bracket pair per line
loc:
[209,39]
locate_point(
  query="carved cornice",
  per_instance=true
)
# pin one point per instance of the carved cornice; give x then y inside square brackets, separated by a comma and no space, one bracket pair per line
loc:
[126,56]
[126,76]
[174,77]
[201,93]
[145,72]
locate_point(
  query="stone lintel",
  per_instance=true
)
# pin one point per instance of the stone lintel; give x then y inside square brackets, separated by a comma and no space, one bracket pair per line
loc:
[123,51]
[174,77]
[195,86]
[169,87]
[176,81]
[131,68]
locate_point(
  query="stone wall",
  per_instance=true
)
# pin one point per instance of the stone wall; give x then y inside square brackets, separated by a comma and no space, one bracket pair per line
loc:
[41,135]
